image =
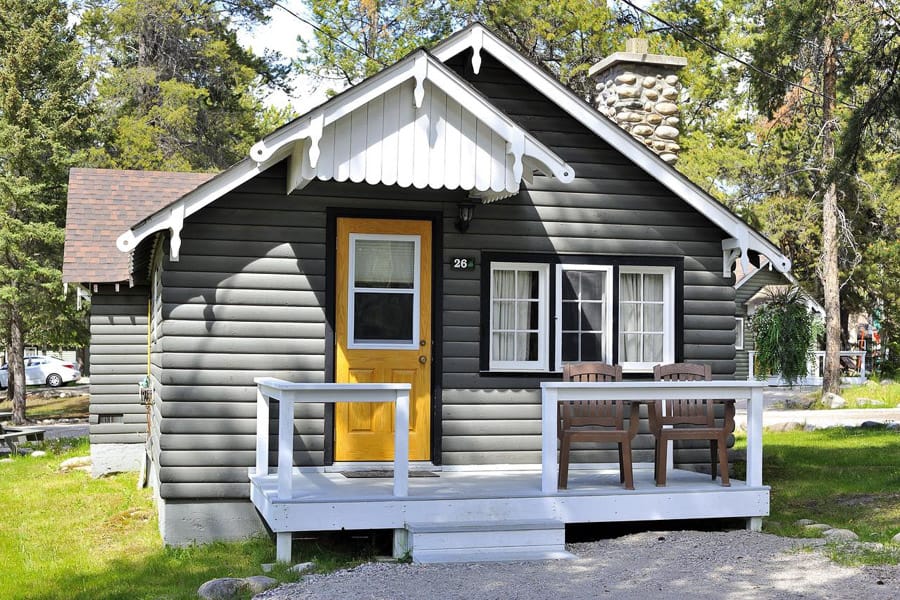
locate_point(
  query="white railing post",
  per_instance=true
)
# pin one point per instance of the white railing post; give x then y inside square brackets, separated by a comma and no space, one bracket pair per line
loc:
[262,433]
[549,473]
[285,448]
[401,443]
[754,437]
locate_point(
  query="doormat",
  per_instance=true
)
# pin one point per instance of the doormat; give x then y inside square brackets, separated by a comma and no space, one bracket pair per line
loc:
[384,473]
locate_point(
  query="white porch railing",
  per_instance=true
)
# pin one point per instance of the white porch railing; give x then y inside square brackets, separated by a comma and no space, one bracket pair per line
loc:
[815,370]
[287,394]
[554,392]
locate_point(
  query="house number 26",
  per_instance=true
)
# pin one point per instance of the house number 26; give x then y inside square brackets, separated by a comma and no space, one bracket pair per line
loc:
[462,264]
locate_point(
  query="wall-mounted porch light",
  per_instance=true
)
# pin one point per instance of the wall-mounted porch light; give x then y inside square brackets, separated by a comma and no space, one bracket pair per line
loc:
[465,212]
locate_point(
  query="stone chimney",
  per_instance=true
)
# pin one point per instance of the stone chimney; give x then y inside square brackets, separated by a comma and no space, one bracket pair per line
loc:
[640,92]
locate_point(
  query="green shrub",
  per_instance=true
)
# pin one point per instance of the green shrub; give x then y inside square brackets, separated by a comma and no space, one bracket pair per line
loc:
[784,331]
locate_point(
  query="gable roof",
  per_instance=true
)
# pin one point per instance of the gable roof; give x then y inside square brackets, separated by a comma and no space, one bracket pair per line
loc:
[517,153]
[416,123]
[743,237]
[122,198]
[759,289]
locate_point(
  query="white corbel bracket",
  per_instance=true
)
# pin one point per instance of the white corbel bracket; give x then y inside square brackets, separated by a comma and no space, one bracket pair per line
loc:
[732,248]
[477,37]
[174,222]
[731,251]
[516,148]
[420,73]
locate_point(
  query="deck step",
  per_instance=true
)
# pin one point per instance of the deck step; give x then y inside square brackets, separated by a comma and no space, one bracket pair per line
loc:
[485,541]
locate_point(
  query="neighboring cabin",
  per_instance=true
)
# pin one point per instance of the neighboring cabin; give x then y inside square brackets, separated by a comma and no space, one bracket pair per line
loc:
[342,250]
[751,290]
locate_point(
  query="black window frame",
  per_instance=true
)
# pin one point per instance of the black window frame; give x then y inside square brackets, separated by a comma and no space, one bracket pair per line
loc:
[487,258]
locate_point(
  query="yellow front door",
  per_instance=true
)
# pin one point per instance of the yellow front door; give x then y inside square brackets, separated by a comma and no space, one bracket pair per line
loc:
[383,332]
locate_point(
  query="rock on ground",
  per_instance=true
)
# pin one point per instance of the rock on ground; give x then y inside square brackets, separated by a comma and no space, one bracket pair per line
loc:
[225,588]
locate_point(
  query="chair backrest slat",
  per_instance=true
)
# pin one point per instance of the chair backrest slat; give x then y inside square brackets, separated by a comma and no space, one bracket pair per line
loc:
[582,413]
[686,411]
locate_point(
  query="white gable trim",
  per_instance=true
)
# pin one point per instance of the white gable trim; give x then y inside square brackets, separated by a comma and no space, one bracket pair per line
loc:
[413,124]
[172,217]
[416,123]
[743,237]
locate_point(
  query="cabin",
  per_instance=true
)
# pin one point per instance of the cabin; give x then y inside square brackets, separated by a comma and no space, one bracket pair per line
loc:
[753,289]
[363,324]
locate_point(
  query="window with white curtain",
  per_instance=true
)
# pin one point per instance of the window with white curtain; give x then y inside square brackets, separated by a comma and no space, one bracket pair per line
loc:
[518,316]
[646,317]
[586,312]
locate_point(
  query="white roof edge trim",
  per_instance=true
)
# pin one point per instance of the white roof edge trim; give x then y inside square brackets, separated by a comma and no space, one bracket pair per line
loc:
[524,147]
[172,216]
[479,38]
[421,66]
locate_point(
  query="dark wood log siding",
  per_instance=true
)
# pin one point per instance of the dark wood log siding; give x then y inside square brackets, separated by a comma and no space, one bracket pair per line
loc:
[118,362]
[247,299]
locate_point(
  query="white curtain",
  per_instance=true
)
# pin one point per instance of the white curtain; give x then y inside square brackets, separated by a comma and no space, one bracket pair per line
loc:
[630,317]
[642,301]
[385,264]
[512,313]
[653,318]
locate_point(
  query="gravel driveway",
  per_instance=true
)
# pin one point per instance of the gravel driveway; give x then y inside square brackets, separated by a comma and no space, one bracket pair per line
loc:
[681,564]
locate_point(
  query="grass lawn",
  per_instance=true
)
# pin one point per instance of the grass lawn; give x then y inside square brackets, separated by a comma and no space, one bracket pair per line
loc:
[67,536]
[38,407]
[846,477]
[871,394]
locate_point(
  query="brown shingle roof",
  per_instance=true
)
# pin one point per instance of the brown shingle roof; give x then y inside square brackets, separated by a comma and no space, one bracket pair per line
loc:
[103,204]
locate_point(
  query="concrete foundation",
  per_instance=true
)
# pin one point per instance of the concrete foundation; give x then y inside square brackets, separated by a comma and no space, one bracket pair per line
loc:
[185,522]
[116,458]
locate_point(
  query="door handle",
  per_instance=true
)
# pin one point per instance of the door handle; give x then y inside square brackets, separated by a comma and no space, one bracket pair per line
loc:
[423,359]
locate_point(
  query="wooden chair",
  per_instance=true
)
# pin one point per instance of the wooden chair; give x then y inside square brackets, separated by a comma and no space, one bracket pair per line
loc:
[595,420]
[690,420]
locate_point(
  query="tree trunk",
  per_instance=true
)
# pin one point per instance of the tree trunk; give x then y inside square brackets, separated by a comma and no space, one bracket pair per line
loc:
[16,366]
[10,384]
[830,272]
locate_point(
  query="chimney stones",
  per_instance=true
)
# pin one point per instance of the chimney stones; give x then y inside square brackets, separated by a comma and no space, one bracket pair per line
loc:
[640,91]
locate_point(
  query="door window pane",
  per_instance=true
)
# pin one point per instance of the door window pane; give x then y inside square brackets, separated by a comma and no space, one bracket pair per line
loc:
[383,317]
[385,264]
[383,290]
[584,314]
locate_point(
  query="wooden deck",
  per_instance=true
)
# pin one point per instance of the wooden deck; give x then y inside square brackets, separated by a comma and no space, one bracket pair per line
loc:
[292,499]
[331,501]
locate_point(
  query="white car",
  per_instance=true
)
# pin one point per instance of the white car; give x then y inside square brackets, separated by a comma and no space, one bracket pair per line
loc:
[40,370]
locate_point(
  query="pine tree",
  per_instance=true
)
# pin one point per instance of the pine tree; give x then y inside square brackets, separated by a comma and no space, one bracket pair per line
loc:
[812,46]
[357,38]
[177,90]
[44,117]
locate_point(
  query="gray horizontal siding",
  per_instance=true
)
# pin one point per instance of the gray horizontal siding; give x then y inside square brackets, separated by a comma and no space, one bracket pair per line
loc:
[482,425]
[118,324]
